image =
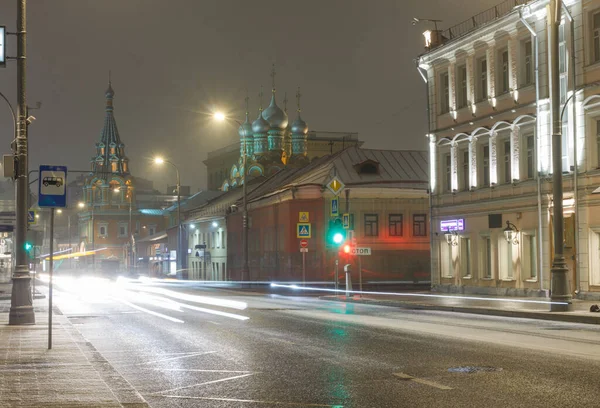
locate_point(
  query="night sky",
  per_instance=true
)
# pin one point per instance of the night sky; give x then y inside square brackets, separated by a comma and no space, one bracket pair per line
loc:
[175,61]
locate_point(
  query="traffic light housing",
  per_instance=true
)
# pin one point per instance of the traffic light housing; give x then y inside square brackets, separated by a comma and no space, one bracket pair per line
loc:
[28,246]
[336,233]
[347,249]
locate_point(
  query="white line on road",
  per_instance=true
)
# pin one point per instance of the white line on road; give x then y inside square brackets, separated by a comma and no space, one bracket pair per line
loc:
[141,309]
[197,370]
[296,404]
[407,377]
[178,357]
[204,383]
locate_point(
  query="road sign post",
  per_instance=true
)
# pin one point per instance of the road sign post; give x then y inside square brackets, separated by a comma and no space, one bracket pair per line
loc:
[303,268]
[52,182]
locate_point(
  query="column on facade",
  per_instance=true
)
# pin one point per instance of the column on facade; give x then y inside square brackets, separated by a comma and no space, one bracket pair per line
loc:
[513,80]
[490,56]
[452,88]
[473,162]
[432,164]
[493,158]
[470,64]
[454,165]
[515,152]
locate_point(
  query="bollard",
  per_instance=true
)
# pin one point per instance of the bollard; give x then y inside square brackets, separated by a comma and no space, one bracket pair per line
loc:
[348,270]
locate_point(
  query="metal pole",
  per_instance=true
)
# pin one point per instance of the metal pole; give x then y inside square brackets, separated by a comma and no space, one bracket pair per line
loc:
[50,272]
[21,307]
[93,242]
[303,268]
[336,275]
[245,267]
[131,258]
[179,243]
[69,234]
[359,273]
[560,285]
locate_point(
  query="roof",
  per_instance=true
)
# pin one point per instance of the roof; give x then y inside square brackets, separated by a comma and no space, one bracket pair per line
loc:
[151,211]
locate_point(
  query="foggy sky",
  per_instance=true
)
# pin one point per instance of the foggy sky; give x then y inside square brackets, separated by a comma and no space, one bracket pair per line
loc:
[175,61]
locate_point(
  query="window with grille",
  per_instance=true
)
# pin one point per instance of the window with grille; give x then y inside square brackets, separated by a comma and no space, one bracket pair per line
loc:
[445,93]
[465,170]
[448,163]
[530,157]
[528,63]
[503,74]
[596,36]
[482,79]
[395,225]
[486,165]
[461,86]
[507,164]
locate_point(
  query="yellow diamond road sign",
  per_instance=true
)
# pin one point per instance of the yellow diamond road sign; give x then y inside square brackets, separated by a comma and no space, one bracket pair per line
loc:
[335,186]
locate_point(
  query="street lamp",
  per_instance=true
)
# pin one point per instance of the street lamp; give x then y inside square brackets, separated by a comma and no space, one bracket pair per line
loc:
[160,161]
[221,117]
[511,233]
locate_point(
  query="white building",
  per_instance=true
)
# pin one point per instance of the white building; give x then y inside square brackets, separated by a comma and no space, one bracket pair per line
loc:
[490,146]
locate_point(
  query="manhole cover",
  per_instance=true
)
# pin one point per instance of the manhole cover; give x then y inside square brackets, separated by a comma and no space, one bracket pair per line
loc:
[473,369]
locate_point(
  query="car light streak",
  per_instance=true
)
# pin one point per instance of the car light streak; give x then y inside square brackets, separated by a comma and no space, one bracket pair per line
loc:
[277,285]
[141,309]
[197,299]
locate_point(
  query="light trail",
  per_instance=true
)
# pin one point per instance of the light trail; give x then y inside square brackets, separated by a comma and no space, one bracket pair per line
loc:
[545,302]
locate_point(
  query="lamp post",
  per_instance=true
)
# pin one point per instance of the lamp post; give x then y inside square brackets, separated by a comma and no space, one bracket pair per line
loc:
[160,160]
[560,293]
[245,273]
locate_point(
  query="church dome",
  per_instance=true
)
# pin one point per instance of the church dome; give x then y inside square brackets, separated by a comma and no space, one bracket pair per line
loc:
[246,129]
[276,117]
[299,126]
[260,125]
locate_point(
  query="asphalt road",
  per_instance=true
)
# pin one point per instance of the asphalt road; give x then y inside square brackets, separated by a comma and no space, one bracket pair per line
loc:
[304,352]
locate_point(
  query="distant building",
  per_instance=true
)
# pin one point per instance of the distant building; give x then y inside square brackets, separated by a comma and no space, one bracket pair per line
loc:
[270,143]
[115,208]
[385,191]
[490,148]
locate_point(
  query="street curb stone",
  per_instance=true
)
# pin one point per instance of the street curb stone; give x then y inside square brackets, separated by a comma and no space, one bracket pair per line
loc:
[524,314]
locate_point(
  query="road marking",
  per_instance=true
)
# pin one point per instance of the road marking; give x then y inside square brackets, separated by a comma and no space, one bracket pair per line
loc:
[204,383]
[296,404]
[197,370]
[407,377]
[141,309]
[178,357]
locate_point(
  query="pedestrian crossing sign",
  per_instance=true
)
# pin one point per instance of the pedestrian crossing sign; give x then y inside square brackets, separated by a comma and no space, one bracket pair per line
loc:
[303,230]
[31,217]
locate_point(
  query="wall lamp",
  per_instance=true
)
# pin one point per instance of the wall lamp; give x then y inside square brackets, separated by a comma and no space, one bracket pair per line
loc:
[452,238]
[511,233]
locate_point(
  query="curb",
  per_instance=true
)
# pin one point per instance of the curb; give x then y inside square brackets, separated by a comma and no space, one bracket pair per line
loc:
[554,316]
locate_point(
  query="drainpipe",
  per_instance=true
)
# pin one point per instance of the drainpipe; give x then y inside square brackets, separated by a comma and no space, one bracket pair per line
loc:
[431,224]
[537,156]
[575,169]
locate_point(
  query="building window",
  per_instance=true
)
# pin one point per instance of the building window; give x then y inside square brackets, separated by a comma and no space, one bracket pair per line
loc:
[506,264]
[371,225]
[527,63]
[419,225]
[482,91]
[212,239]
[503,71]
[151,229]
[222,239]
[465,169]
[445,94]
[507,164]
[529,261]
[103,231]
[461,86]
[465,256]
[486,165]
[395,226]
[487,257]
[530,156]
[596,35]
[122,230]
[448,174]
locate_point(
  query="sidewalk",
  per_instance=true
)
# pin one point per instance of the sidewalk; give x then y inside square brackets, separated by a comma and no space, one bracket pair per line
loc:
[71,374]
[485,305]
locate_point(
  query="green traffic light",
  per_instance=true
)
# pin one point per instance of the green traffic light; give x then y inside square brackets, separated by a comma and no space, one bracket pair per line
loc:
[338,238]
[28,246]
